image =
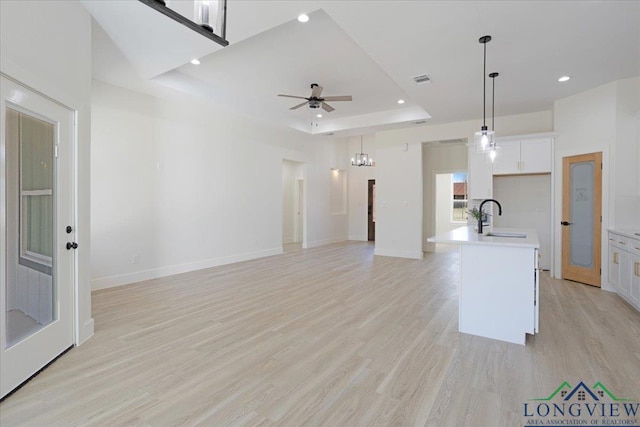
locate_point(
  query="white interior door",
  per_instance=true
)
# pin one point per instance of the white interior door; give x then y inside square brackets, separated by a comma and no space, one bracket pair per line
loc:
[37,231]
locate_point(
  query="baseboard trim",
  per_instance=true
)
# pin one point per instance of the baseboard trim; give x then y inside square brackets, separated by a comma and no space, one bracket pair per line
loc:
[126,279]
[397,253]
[358,237]
[86,332]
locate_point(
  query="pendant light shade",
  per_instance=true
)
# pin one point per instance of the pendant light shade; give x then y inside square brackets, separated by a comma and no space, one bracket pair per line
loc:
[483,139]
[361,158]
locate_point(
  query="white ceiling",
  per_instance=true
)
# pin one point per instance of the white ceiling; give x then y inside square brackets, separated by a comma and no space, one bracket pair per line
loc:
[370,50]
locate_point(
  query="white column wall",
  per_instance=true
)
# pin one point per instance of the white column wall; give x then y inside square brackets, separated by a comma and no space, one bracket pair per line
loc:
[399,201]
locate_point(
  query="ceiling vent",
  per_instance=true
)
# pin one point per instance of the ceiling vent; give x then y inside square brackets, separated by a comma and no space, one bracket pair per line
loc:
[420,122]
[421,79]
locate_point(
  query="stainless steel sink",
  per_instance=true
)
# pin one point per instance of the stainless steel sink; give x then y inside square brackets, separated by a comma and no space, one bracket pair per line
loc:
[506,234]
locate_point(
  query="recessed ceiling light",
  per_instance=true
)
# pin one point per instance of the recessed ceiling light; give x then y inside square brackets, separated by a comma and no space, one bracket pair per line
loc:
[318,115]
[564,78]
[400,101]
[195,61]
[303,18]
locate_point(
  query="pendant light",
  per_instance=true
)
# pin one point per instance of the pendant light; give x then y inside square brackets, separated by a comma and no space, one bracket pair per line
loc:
[484,138]
[361,158]
[492,145]
[209,16]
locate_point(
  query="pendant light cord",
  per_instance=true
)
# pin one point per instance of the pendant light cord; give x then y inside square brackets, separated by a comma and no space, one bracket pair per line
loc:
[493,100]
[493,104]
[484,88]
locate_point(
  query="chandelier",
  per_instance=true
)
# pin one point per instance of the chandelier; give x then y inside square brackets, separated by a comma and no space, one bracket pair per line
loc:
[361,158]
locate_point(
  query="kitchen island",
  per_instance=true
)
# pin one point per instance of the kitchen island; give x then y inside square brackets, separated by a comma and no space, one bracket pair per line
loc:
[499,295]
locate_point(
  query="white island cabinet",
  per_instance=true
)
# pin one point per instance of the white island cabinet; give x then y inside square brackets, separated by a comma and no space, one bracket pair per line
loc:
[624,264]
[499,283]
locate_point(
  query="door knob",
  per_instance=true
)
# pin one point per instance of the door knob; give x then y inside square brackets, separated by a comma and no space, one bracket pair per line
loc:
[72,245]
[565,223]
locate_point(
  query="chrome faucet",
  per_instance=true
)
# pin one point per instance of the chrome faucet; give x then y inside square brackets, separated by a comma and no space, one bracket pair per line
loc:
[482,213]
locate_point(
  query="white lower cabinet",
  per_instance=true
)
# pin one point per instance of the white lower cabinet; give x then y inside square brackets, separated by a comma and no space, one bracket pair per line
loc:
[624,265]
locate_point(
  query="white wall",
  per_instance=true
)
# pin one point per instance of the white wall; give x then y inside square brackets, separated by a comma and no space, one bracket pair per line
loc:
[47,46]
[526,203]
[399,175]
[192,186]
[443,203]
[358,183]
[627,155]
[600,119]
[399,200]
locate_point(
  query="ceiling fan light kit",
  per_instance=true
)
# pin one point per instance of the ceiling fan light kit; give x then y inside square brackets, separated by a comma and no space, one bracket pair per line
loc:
[484,138]
[316,101]
[361,158]
[209,17]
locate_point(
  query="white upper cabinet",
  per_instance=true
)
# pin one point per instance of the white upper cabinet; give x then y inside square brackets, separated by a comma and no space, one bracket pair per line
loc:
[523,157]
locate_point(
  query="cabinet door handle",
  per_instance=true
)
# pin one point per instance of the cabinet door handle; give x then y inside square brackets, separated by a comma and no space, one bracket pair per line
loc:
[623,243]
[636,268]
[615,257]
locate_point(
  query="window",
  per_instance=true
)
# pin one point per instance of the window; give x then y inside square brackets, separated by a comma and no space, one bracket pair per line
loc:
[36,189]
[460,193]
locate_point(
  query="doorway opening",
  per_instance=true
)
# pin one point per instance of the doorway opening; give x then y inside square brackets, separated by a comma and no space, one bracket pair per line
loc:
[371,211]
[451,201]
[293,204]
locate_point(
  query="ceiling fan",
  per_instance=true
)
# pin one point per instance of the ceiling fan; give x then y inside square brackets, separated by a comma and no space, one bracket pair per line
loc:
[316,101]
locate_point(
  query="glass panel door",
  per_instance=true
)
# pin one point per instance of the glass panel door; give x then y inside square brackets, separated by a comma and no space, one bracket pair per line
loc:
[581,230]
[30,213]
[37,248]
[582,218]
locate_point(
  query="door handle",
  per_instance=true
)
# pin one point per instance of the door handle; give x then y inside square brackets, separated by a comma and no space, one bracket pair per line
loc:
[72,245]
[565,223]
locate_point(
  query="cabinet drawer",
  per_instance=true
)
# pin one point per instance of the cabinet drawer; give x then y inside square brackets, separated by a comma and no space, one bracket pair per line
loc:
[634,246]
[621,242]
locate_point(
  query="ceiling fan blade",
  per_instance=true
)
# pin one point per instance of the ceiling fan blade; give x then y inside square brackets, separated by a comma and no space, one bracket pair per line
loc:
[299,105]
[338,98]
[328,108]
[291,96]
[316,91]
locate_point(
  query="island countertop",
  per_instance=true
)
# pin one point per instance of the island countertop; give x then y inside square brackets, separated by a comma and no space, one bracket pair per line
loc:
[468,236]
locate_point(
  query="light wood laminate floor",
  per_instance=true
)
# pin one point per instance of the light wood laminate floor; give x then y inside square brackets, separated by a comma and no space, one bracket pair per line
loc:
[329,336]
